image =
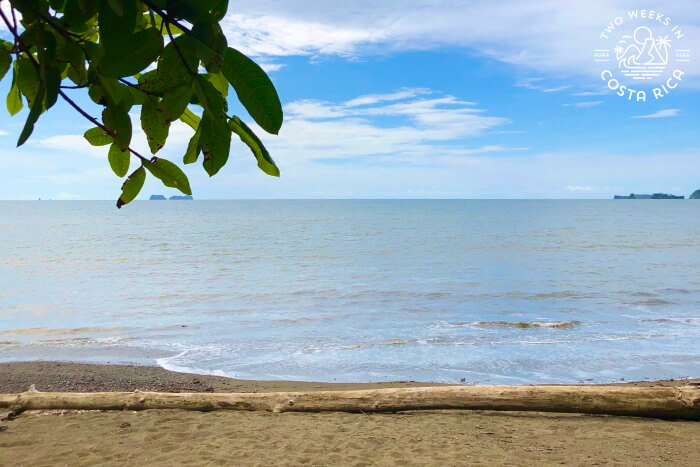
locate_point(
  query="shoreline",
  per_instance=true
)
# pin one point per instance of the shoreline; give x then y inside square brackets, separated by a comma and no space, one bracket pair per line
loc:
[58,376]
[426,437]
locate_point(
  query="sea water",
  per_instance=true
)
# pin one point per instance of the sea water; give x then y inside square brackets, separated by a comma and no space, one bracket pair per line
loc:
[358,290]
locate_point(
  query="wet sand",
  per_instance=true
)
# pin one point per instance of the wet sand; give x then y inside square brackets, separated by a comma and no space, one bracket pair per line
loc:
[171,437]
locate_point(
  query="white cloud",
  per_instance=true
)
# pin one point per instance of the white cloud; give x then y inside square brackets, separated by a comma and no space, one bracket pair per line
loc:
[578,188]
[557,88]
[404,125]
[73,143]
[544,35]
[590,93]
[3,133]
[665,113]
[584,104]
[529,83]
[395,96]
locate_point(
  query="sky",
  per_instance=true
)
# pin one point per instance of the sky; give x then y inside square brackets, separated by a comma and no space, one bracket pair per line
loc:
[418,99]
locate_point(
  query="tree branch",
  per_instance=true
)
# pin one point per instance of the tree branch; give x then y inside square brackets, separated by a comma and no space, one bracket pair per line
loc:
[96,122]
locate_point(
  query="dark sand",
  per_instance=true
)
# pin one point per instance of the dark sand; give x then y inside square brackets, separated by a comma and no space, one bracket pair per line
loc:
[171,437]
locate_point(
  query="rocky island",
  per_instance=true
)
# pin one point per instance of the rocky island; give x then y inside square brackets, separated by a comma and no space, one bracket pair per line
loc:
[654,196]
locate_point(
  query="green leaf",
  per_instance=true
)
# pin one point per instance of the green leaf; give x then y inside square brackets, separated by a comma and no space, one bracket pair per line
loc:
[14,99]
[27,79]
[154,125]
[156,115]
[191,10]
[218,11]
[265,162]
[116,26]
[219,82]
[76,15]
[214,142]
[151,83]
[69,52]
[34,113]
[175,102]
[193,149]
[171,70]
[115,93]
[5,57]
[133,54]
[209,98]
[170,174]
[117,6]
[119,160]
[53,83]
[119,123]
[211,44]
[97,137]
[254,89]
[132,186]
[190,118]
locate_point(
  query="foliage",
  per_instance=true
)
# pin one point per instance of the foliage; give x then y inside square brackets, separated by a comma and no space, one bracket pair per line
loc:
[168,57]
[695,195]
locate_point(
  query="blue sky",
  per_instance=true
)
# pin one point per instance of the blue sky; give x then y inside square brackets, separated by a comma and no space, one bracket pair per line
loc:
[415,99]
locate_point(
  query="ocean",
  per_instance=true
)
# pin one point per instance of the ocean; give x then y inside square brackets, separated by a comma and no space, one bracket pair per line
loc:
[471,291]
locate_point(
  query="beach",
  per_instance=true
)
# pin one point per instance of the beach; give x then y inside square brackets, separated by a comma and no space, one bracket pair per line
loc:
[165,437]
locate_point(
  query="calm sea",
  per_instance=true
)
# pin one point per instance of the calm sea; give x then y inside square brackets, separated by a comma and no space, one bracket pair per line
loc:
[484,291]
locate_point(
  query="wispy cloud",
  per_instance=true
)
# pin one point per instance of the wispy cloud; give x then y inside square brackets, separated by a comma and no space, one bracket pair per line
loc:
[665,113]
[539,35]
[529,83]
[403,125]
[539,85]
[557,88]
[3,133]
[579,189]
[584,104]
[590,93]
[404,93]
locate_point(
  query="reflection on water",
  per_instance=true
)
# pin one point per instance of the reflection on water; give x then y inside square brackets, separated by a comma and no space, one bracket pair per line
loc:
[490,291]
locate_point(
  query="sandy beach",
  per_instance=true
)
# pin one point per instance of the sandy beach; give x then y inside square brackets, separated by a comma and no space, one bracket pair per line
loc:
[167,437]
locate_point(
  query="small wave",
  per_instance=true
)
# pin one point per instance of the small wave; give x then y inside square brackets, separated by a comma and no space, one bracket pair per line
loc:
[391,343]
[672,320]
[81,342]
[56,331]
[168,363]
[584,340]
[517,324]
[564,294]
[654,302]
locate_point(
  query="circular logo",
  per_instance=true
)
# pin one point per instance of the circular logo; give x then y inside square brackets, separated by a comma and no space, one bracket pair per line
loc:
[642,54]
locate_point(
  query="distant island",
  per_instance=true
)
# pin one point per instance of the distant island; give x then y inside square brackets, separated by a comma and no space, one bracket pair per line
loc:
[175,198]
[654,196]
[695,195]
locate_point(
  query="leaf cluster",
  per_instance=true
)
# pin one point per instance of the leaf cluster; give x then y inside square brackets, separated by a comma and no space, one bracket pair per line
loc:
[170,58]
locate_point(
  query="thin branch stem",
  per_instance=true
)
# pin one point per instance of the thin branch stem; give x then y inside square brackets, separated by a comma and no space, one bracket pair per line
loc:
[96,122]
[165,17]
[179,52]
[137,87]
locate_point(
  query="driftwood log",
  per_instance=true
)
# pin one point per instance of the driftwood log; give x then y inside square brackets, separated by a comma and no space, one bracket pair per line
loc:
[681,403]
